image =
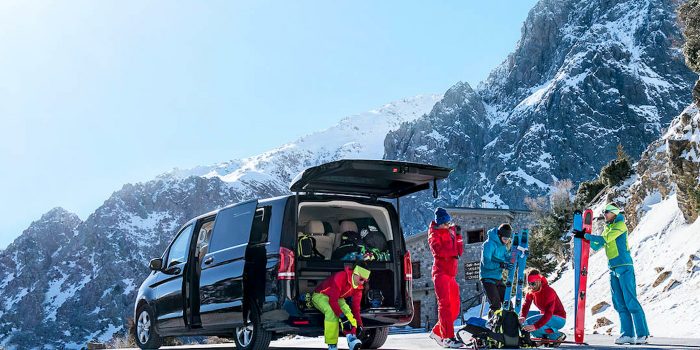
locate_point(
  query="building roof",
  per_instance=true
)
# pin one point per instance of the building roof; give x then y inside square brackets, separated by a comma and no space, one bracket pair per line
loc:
[488,211]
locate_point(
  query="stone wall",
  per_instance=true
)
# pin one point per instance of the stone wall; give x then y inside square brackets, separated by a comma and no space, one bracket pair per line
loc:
[470,220]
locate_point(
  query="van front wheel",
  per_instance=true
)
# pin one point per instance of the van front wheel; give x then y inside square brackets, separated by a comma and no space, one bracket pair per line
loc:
[146,335]
[374,338]
[252,336]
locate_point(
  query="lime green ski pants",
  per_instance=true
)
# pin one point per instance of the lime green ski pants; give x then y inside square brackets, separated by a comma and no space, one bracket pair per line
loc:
[331,323]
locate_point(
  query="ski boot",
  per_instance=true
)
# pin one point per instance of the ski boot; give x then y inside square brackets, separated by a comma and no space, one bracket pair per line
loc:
[353,342]
[624,339]
[332,347]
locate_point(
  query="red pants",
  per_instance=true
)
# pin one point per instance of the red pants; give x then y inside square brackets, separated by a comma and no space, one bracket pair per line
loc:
[449,305]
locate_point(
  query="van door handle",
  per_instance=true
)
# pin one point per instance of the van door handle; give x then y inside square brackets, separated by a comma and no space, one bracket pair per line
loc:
[208,260]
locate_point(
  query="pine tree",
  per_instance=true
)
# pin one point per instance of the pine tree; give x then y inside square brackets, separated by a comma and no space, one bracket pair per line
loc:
[553,217]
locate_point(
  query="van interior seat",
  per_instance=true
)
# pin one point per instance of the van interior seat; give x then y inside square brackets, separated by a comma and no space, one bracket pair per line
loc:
[324,242]
[345,226]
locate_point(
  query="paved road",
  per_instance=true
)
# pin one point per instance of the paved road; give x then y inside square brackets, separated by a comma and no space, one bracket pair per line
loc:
[421,341]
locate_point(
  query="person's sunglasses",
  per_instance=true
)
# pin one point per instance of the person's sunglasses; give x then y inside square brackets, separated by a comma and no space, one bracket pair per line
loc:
[532,284]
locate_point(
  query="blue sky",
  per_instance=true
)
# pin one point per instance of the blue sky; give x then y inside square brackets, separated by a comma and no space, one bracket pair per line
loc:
[95,94]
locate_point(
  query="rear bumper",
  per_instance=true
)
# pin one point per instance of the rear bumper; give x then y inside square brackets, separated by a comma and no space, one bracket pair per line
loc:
[289,319]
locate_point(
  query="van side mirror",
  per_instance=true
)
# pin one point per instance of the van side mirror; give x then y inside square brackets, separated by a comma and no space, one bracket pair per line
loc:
[156,264]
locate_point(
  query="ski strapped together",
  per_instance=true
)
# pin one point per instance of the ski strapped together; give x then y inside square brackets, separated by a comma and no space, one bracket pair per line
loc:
[507,303]
[582,278]
[577,226]
[522,262]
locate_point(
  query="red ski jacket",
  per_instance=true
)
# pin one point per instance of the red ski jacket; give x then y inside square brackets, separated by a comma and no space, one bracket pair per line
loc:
[547,300]
[339,285]
[447,246]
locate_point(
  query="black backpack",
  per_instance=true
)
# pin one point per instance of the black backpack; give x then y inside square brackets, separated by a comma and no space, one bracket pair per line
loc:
[375,239]
[507,329]
[351,237]
[307,248]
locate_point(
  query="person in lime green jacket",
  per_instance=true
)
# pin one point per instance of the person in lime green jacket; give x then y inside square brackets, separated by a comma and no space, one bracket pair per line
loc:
[622,279]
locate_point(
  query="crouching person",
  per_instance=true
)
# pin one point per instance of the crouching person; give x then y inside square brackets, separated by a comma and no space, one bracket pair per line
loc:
[551,318]
[329,298]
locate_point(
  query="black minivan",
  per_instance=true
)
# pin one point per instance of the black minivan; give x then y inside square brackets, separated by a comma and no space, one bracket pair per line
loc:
[236,272]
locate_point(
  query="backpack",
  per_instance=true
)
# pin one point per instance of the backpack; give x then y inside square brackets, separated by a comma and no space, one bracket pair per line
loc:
[376,239]
[350,237]
[477,327]
[348,252]
[507,329]
[307,248]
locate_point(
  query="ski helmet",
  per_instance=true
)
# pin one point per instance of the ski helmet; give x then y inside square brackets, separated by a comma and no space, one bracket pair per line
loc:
[505,231]
[611,208]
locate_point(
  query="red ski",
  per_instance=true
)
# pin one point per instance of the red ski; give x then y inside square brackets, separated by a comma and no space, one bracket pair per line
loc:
[579,322]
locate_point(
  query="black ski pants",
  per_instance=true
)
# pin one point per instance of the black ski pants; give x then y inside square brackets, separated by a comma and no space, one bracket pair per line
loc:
[495,292]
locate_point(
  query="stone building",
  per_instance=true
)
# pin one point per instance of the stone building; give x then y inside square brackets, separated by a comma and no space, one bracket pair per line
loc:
[475,222]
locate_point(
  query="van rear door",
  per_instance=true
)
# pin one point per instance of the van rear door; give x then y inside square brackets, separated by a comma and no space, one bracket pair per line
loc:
[221,279]
[374,178]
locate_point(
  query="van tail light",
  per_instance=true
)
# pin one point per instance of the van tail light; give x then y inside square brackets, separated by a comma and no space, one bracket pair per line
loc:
[286,270]
[407,267]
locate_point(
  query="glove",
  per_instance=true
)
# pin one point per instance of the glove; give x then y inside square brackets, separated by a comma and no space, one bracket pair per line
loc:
[579,234]
[506,265]
[458,229]
[345,324]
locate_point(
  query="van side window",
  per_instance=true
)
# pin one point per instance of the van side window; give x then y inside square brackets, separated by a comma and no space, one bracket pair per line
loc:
[261,225]
[232,227]
[203,238]
[178,250]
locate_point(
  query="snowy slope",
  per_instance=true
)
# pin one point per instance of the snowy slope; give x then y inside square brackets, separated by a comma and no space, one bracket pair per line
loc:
[660,201]
[661,244]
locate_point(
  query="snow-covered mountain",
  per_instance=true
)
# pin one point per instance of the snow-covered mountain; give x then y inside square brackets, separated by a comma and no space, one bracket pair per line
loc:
[359,136]
[585,76]
[661,201]
[65,281]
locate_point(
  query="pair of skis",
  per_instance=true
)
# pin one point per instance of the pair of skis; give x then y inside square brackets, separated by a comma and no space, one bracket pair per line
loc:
[518,260]
[582,222]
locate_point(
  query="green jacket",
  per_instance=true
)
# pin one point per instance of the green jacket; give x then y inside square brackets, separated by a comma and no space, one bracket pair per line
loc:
[614,239]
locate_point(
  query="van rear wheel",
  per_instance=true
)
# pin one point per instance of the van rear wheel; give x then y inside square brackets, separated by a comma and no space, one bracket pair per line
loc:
[252,336]
[374,338]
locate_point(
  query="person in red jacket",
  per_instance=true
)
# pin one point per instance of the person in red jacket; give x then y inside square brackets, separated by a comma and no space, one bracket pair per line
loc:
[329,298]
[551,318]
[445,240]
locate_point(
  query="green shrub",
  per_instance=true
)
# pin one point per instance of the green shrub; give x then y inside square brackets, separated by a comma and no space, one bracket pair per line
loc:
[553,216]
[587,191]
[615,172]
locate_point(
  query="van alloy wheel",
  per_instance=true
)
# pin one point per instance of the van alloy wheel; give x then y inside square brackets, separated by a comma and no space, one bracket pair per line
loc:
[143,327]
[245,334]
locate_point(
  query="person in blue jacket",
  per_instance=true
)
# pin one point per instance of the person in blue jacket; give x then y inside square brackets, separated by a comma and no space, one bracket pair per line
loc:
[622,280]
[493,262]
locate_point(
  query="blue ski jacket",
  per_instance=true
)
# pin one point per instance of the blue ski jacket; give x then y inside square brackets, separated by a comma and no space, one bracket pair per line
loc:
[614,239]
[494,252]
